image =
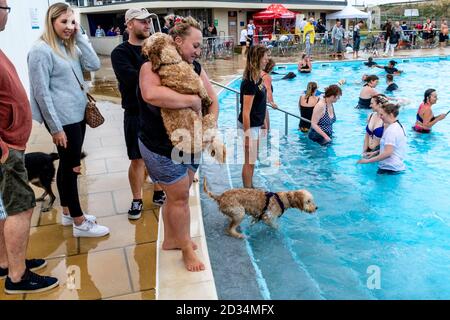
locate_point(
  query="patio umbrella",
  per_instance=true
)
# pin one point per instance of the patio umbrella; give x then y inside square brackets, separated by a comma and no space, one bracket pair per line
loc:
[349,12]
[274,11]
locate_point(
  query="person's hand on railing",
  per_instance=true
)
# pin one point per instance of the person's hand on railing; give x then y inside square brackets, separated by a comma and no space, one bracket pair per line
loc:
[273,105]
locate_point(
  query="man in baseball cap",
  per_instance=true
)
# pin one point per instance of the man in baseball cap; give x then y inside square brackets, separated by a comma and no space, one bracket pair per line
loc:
[138,14]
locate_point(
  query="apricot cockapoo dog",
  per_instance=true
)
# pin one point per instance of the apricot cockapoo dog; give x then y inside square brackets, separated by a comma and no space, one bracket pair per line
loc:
[261,205]
[187,130]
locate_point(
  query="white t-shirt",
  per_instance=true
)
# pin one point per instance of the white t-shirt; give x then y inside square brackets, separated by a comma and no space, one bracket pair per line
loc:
[393,135]
[250,29]
[243,35]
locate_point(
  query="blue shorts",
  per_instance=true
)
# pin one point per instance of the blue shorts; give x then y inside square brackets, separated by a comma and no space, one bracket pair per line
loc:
[162,169]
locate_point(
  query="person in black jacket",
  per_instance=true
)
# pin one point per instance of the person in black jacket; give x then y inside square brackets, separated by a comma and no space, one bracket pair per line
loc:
[126,60]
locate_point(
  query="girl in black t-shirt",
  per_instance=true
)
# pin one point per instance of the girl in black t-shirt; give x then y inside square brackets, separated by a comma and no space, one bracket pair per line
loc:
[253,108]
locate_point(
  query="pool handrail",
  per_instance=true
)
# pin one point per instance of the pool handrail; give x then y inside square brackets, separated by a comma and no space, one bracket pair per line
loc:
[286,113]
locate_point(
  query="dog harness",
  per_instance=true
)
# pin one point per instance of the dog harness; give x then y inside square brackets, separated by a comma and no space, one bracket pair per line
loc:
[277,197]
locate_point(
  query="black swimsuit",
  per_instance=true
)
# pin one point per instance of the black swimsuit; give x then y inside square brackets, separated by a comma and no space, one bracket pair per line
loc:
[363,103]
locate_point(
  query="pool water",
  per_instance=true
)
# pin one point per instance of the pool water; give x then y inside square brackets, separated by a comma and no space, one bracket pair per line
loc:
[399,225]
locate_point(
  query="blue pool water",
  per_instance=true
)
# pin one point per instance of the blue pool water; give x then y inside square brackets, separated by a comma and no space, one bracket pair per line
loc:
[399,224]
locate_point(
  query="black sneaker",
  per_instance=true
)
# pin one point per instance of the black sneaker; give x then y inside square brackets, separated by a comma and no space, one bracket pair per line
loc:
[30,283]
[31,264]
[158,198]
[135,211]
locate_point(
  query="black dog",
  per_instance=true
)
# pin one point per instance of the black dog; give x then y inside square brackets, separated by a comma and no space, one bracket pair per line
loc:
[41,172]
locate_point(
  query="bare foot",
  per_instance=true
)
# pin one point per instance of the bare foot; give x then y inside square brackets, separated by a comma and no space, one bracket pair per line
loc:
[167,245]
[191,261]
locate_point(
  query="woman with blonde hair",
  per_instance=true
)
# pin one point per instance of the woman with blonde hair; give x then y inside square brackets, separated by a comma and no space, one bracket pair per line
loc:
[175,177]
[253,108]
[58,98]
[306,103]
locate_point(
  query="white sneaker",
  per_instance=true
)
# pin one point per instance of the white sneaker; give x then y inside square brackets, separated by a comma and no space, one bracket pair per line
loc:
[67,220]
[89,228]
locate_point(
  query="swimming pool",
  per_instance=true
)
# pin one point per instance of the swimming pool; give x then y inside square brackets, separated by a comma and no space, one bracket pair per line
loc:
[397,225]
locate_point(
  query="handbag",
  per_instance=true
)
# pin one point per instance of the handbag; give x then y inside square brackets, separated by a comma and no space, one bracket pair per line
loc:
[92,114]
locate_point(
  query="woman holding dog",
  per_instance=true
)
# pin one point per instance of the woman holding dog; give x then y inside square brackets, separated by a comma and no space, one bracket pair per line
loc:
[253,108]
[156,147]
[58,98]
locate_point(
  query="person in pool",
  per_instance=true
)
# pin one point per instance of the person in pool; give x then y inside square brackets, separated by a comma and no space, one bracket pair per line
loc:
[324,116]
[392,144]
[367,92]
[306,104]
[390,68]
[370,63]
[375,125]
[305,65]
[390,82]
[267,80]
[425,118]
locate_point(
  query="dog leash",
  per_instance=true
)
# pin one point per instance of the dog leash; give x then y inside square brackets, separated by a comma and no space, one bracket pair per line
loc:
[277,197]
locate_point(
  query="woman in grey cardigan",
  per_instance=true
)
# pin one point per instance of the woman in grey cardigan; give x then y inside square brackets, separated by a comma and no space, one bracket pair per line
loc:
[55,65]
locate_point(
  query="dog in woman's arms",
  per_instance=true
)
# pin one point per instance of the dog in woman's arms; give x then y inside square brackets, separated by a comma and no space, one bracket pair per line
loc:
[200,131]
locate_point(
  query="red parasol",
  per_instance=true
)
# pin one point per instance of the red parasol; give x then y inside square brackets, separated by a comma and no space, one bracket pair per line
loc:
[274,11]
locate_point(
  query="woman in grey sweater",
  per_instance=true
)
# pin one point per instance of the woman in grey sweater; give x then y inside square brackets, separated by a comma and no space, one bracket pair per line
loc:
[55,65]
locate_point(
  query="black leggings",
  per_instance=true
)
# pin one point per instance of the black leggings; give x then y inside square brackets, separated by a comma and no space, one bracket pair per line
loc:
[69,158]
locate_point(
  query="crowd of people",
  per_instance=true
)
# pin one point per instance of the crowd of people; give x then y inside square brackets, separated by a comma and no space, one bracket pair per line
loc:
[56,63]
[393,36]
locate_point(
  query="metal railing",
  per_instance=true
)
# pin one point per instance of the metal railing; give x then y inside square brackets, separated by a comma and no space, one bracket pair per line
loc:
[286,113]
[292,44]
[221,47]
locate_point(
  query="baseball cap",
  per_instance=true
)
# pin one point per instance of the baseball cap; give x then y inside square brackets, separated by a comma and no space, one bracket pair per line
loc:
[139,14]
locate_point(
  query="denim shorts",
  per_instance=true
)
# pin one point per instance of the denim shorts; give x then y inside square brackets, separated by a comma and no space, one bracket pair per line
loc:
[3,214]
[162,169]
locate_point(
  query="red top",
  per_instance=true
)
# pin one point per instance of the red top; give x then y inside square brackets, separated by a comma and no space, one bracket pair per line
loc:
[15,110]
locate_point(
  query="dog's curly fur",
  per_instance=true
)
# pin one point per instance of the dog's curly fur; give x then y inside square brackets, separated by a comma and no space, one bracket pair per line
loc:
[178,75]
[235,203]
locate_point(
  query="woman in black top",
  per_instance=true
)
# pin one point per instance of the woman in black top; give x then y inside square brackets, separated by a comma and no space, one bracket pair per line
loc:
[163,162]
[253,108]
[306,104]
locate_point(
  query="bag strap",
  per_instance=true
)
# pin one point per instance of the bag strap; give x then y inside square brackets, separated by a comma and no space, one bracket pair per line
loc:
[89,96]
[78,80]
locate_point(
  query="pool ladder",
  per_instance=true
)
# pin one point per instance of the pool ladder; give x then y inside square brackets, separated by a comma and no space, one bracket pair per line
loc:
[286,113]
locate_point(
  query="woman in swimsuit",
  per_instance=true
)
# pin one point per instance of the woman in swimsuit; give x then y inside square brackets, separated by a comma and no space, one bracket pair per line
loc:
[367,92]
[305,66]
[323,116]
[425,119]
[306,105]
[375,126]
[392,150]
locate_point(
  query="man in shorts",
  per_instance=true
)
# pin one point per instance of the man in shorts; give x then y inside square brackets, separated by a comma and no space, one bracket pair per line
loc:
[126,60]
[17,196]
